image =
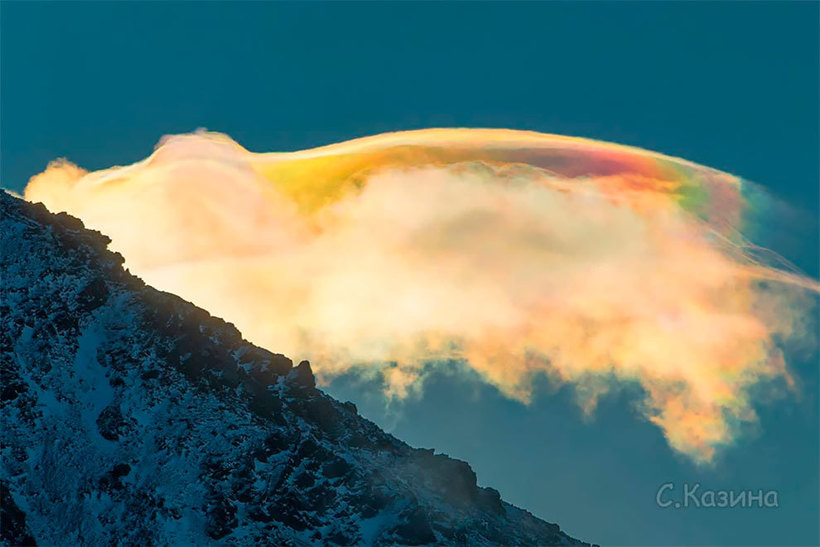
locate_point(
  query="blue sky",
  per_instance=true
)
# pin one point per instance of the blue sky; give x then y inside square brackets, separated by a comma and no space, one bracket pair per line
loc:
[729,85]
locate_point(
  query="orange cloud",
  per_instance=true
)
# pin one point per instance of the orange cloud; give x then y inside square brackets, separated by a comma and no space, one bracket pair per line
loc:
[518,253]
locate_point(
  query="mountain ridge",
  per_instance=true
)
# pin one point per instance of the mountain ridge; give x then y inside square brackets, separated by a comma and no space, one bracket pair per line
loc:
[131,415]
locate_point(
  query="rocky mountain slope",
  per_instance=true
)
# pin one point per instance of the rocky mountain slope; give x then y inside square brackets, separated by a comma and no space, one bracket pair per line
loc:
[130,416]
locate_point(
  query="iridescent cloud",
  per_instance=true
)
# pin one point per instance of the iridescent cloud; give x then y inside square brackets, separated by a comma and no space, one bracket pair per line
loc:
[517,253]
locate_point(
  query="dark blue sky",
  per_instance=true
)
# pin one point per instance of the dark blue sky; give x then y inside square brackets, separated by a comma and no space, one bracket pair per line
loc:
[729,85]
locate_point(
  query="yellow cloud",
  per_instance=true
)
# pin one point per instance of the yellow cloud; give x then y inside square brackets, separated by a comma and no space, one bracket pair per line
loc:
[519,253]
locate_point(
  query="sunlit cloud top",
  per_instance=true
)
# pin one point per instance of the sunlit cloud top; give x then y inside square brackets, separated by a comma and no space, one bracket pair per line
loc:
[516,253]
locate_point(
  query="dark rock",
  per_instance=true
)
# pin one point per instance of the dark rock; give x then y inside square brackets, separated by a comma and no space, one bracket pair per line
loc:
[92,296]
[110,422]
[12,386]
[336,467]
[121,470]
[454,478]
[415,528]
[13,528]
[305,480]
[111,480]
[65,322]
[221,518]
[303,375]
[150,375]
[490,499]
[321,411]
[339,538]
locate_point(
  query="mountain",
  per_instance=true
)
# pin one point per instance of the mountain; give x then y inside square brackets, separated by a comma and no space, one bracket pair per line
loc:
[131,416]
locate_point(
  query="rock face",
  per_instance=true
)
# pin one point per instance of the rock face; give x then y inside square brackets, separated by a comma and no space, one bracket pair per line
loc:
[131,416]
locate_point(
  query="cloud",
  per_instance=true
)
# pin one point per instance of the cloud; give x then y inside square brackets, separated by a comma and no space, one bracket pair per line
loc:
[518,253]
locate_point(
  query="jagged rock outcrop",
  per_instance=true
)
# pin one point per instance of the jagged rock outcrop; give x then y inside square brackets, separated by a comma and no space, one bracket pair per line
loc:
[130,416]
